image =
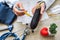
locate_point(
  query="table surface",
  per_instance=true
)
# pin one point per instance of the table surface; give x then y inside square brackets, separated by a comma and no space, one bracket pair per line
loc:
[36,35]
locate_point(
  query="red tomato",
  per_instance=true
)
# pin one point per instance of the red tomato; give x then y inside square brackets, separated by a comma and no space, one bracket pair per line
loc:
[45,28]
[44,31]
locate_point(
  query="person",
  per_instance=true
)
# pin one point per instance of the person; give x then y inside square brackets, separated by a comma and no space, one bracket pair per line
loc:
[23,6]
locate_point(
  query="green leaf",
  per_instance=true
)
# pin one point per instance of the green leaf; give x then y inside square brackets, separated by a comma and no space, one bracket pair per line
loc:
[52,28]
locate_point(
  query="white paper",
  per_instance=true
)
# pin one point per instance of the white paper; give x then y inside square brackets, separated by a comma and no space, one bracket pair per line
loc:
[55,9]
[49,3]
[28,5]
[44,16]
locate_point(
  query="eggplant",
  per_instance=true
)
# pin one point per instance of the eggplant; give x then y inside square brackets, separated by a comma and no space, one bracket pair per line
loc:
[35,19]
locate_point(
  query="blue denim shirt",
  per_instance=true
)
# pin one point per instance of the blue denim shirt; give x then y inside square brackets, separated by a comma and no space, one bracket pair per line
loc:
[7,16]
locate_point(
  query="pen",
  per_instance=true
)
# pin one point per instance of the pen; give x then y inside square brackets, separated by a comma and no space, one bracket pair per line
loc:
[25,12]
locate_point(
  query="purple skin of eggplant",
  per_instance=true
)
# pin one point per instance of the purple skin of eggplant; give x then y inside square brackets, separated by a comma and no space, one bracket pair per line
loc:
[35,19]
[37,16]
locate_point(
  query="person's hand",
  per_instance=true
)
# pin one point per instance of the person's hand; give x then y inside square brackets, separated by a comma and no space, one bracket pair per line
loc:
[18,12]
[42,8]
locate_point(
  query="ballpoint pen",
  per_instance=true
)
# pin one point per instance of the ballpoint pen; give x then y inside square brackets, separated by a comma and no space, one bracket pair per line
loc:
[24,12]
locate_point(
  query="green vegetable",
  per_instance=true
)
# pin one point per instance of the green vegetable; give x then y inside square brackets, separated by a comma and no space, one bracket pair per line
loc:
[52,28]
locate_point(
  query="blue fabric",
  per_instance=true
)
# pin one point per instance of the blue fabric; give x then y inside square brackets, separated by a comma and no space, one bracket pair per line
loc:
[6,14]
